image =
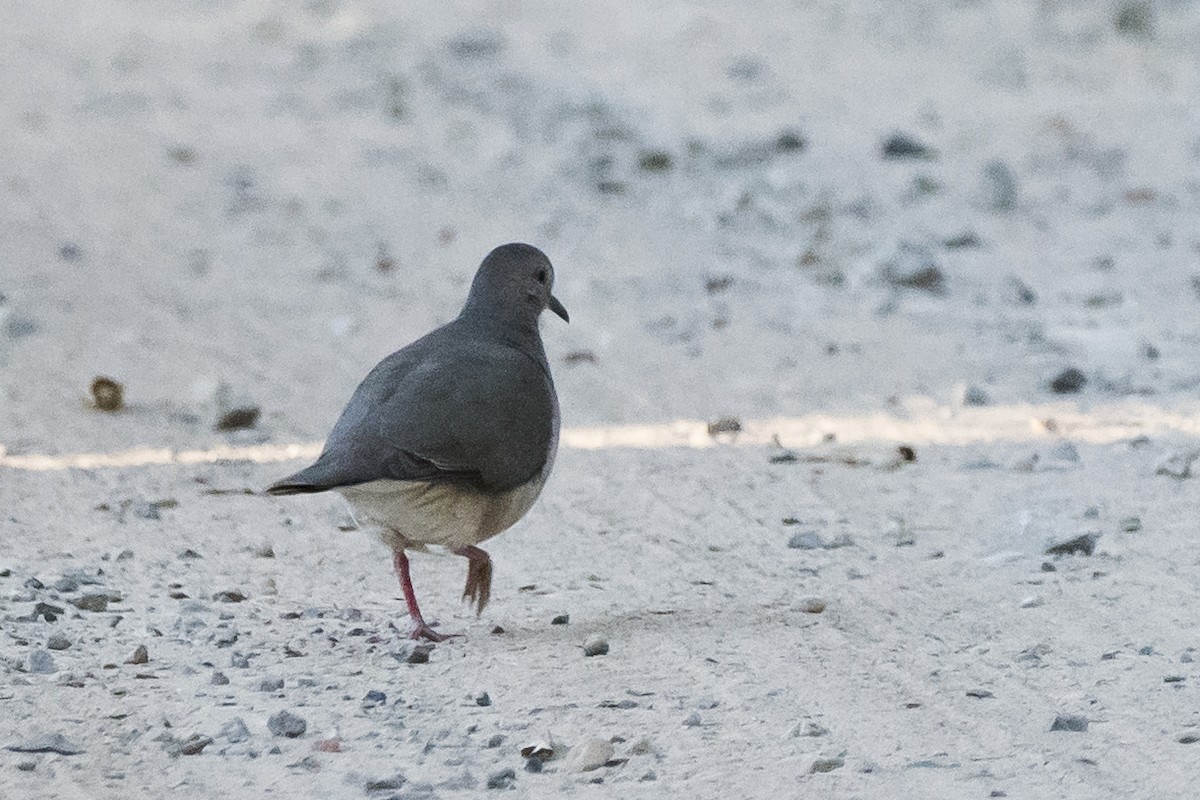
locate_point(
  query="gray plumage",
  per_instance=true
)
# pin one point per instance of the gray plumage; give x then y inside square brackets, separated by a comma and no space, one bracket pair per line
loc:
[449,440]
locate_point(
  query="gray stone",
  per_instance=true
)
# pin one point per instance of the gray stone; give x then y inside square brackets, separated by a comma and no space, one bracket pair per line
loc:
[999,187]
[42,663]
[827,764]
[373,699]
[194,744]
[1080,545]
[49,743]
[504,779]
[91,602]
[235,731]
[692,720]
[810,604]
[270,685]
[483,699]
[1069,722]
[219,678]
[974,396]
[285,723]
[913,266]
[388,784]
[806,540]
[1069,381]
[58,641]
[1178,465]
[413,653]
[596,645]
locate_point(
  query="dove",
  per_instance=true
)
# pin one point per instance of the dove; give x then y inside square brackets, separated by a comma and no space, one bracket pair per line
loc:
[448,441]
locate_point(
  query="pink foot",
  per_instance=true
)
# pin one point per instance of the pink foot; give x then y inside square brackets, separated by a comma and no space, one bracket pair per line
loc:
[421,629]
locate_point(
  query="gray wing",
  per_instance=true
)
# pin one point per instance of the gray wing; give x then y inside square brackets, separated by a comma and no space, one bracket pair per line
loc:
[475,414]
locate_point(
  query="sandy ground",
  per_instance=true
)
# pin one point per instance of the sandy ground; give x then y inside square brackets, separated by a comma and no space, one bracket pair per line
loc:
[229,204]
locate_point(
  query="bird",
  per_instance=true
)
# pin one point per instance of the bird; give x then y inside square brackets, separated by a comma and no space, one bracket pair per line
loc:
[448,441]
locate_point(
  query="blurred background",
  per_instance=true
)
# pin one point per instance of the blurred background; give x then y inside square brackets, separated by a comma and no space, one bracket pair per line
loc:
[754,209]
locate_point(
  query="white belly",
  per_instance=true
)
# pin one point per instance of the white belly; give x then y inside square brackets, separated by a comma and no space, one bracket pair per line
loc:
[413,515]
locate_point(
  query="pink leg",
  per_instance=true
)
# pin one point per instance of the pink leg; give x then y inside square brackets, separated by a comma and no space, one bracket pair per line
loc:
[479,576]
[420,629]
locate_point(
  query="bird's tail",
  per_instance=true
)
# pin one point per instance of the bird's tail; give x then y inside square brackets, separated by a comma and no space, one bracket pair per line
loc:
[285,487]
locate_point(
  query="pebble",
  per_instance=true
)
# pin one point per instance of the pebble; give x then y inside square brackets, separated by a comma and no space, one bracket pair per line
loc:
[235,731]
[810,604]
[49,743]
[1032,601]
[999,187]
[483,699]
[229,596]
[414,653]
[913,266]
[219,678]
[285,723]
[1069,722]
[389,784]
[1188,738]
[237,419]
[374,699]
[591,755]
[561,619]
[1178,465]
[239,661]
[42,663]
[807,728]
[496,740]
[828,764]
[596,645]
[974,396]
[504,779]
[1080,545]
[58,641]
[194,744]
[534,764]
[1016,292]
[1131,524]
[91,602]
[806,540]
[902,146]
[140,656]
[692,720]
[1069,381]
[271,685]
[107,394]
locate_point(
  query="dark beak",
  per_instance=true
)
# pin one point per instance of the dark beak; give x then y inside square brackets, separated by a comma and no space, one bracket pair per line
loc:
[557,308]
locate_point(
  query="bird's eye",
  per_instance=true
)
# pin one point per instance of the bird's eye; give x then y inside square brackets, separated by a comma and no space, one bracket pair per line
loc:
[541,276]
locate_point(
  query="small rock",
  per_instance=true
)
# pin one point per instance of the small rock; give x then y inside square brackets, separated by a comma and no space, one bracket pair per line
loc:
[219,678]
[239,661]
[235,731]
[913,266]
[1032,601]
[389,784]
[1069,722]
[91,602]
[1016,292]
[414,653]
[979,694]
[1069,381]
[828,764]
[194,744]
[58,641]
[229,596]
[42,663]
[808,728]
[107,394]
[974,396]
[504,779]
[50,743]
[806,540]
[1178,465]
[1188,738]
[596,645]
[692,720]
[285,723]
[1065,452]
[1131,524]
[189,555]
[271,685]
[237,419]
[141,655]
[999,187]
[483,699]
[810,604]
[724,425]
[561,619]
[1135,19]
[534,764]
[903,146]
[591,755]
[373,699]
[264,551]
[67,583]
[1081,545]
[654,161]
[496,740]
